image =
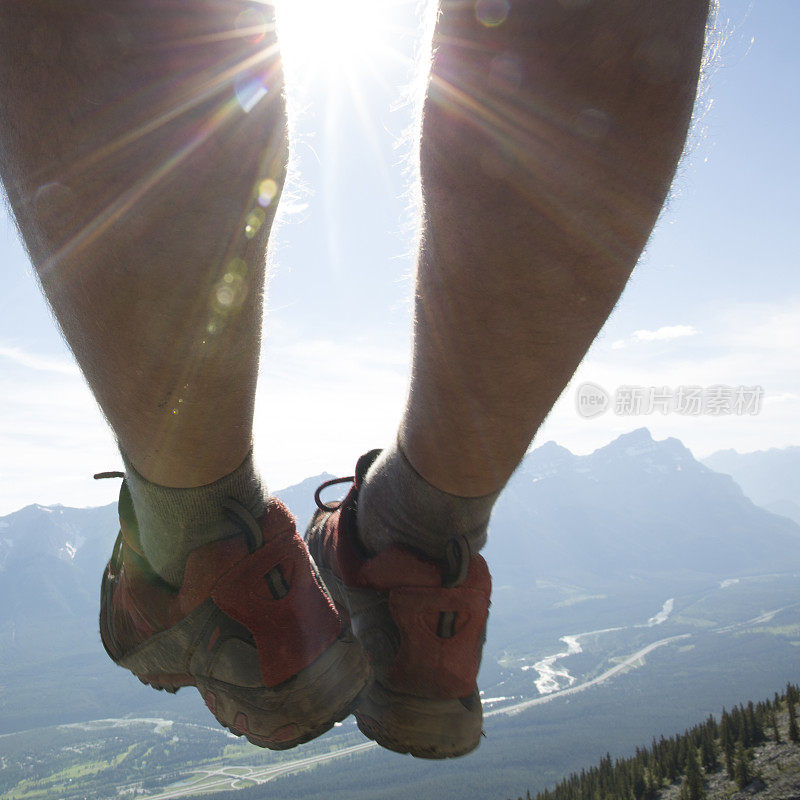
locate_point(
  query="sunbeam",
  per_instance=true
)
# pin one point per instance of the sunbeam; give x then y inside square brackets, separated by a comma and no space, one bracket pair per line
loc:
[320,38]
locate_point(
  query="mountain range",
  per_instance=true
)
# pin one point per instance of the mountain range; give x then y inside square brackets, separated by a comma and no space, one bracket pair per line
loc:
[632,510]
[770,478]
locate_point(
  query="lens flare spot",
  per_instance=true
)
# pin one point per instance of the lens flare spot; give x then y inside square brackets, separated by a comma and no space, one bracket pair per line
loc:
[255,219]
[237,267]
[492,13]
[250,90]
[267,190]
[225,296]
[229,291]
[253,24]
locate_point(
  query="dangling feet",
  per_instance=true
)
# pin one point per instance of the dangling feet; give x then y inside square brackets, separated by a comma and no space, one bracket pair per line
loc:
[419,608]
[250,625]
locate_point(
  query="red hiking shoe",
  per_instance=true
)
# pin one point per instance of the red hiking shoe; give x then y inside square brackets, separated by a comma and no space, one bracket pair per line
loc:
[421,623]
[251,627]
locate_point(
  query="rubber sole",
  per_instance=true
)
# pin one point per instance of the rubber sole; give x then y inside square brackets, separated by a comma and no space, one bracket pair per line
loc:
[421,727]
[297,711]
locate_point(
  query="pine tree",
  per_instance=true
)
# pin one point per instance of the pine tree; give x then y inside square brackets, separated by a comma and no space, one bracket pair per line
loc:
[791,694]
[754,724]
[638,784]
[746,733]
[651,788]
[728,742]
[794,733]
[742,767]
[708,751]
[695,789]
[672,762]
[776,734]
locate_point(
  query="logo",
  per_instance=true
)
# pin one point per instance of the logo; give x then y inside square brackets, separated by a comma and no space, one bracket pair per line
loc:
[591,400]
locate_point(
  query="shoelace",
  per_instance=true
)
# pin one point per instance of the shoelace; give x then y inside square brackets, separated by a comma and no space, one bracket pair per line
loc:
[336,503]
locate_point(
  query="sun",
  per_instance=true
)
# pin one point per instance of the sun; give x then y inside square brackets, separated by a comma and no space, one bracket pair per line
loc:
[327,38]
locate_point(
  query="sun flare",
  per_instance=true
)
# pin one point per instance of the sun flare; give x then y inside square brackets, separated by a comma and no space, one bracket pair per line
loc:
[320,36]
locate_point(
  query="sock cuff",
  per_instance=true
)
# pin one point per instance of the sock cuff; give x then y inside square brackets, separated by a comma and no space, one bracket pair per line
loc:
[198,502]
[174,521]
[422,515]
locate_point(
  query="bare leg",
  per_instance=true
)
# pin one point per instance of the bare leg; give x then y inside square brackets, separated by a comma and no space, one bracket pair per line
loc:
[143,147]
[133,171]
[551,133]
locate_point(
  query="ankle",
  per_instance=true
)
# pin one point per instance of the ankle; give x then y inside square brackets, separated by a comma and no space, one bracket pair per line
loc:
[397,505]
[172,522]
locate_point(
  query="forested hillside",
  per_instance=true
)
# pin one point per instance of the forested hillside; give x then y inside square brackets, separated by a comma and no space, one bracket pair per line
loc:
[754,749]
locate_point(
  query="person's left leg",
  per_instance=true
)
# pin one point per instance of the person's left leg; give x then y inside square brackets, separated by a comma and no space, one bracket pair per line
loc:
[133,169]
[143,149]
[551,132]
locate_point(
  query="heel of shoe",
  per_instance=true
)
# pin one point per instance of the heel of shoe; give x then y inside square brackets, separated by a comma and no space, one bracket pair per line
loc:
[422,727]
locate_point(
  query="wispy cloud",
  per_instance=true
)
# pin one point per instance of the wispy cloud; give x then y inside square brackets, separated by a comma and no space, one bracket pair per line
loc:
[38,362]
[661,334]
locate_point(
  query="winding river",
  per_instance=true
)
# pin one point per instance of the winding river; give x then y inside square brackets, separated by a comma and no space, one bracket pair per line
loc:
[553,677]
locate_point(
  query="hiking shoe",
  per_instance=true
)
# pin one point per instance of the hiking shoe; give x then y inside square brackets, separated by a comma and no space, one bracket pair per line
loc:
[422,625]
[251,627]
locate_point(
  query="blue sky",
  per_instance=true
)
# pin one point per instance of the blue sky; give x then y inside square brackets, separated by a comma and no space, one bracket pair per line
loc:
[713,301]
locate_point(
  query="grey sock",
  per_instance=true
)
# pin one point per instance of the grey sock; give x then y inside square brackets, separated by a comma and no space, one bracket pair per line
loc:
[173,522]
[397,505]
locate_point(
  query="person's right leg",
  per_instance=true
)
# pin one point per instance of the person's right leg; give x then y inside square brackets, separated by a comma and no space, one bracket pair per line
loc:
[143,149]
[551,133]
